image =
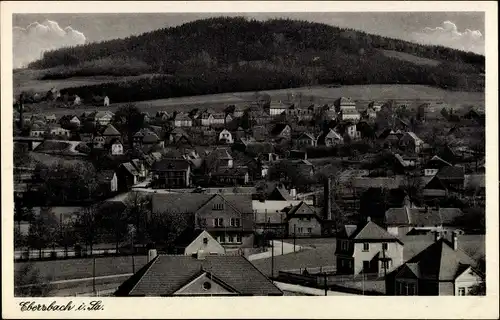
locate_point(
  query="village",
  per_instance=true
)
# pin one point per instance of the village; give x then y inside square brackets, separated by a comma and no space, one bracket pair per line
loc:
[266,197]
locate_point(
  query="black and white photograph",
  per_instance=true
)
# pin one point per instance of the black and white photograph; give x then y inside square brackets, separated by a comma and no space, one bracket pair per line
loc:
[236,154]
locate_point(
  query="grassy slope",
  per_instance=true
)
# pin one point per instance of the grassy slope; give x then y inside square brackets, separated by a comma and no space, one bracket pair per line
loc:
[363,93]
[410,58]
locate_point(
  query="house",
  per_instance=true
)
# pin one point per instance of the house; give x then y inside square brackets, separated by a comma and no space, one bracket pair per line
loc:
[277,108]
[434,188]
[272,220]
[108,181]
[400,221]
[230,176]
[204,242]
[75,121]
[330,138]
[227,217]
[304,220]
[350,115]
[102,118]
[77,101]
[127,176]
[162,116]
[225,137]
[110,133]
[411,142]
[435,164]
[116,147]
[218,119]
[344,103]
[51,118]
[201,274]
[206,118]
[367,248]
[151,138]
[219,157]
[37,131]
[59,132]
[257,116]
[106,101]
[98,141]
[178,136]
[452,176]
[305,139]
[282,131]
[171,173]
[182,120]
[239,111]
[441,269]
[260,133]
[228,119]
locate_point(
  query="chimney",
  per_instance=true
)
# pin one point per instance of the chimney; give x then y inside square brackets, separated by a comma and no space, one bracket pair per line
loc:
[454,241]
[152,253]
[327,199]
[368,219]
[293,193]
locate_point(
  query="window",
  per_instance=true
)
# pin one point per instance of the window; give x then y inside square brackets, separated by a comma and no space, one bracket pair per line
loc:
[366,247]
[344,245]
[461,291]
[235,222]
[205,240]
[207,285]
[218,206]
[406,288]
[221,239]
[384,246]
[238,238]
[309,230]
[218,222]
[230,238]
[301,230]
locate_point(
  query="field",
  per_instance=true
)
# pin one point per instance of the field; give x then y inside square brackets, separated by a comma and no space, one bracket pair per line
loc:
[410,58]
[320,94]
[27,80]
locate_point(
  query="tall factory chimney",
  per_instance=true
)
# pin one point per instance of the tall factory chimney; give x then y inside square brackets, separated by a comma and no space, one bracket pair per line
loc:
[327,199]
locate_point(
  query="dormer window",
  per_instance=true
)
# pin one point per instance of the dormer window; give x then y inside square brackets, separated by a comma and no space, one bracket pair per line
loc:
[218,206]
[205,240]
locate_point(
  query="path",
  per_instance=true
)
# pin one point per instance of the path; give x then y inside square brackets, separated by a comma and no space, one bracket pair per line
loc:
[307,290]
[287,248]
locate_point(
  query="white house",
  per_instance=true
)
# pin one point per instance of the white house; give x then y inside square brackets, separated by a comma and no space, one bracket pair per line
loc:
[206,243]
[353,132]
[226,137]
[77,101]
[58,131]
[116,148]
[106,101]
[75,121]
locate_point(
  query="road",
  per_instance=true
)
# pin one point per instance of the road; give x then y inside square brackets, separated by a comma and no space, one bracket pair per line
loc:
[287,248]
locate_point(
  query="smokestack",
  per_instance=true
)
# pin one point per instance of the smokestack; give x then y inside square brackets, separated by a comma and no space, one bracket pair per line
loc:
[152,253]
[454,239]
[327,199]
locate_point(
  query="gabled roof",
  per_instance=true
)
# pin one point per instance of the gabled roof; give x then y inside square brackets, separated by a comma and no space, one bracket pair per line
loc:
[453,172]
[414,137]
[371,231]
[220,153]
[110,131]
[436,160]
[278,129]
[279,194]
[440,262]
[167,274]
[302,209]
[130,168]
[421,216]
[306,135]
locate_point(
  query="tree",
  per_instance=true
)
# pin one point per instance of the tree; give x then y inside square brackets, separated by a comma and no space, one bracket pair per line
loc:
[29,283]
[42,231]
[87,226]
[129,119]
[478,289]
[412,186]
[138,209]
[164,228]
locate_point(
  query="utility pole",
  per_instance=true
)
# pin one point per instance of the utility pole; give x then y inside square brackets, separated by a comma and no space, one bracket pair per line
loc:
[272,259]
[282,234]
[93,275]
[325,282]
[294,228]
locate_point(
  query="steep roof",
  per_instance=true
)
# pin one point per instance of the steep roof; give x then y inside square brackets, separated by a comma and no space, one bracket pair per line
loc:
[302,209]
[453,172]
[130,168]
[192,202]
[279,193]
[110,131]
[414,137]
[166,274]
[439,262]
[278,129]
[371,231]
[306,135]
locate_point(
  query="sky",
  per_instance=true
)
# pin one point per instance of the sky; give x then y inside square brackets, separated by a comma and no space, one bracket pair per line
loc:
[35,33]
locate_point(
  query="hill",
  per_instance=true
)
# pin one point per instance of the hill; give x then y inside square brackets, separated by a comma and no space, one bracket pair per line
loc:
[235,54]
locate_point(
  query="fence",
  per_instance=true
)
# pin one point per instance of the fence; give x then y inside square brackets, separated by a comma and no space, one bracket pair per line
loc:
[46,254]
[318,279]
[324,269]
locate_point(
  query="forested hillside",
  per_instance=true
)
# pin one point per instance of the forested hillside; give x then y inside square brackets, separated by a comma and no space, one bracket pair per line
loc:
[218,54]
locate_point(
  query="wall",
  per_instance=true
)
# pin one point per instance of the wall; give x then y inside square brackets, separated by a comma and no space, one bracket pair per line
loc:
[313,223]
[466,280]
[394,251]
[446,289]
[196,288]
[274,205]
[211,247]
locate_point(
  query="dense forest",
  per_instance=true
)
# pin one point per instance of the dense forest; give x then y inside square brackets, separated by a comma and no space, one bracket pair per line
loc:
[220,54]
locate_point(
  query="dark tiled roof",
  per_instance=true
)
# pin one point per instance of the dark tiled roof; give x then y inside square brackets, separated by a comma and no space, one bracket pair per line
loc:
[439,262]
[421,216]
[371,231]
[455,172]
[167,274]
[302,209]
[110,131]
[279,194]
[171,165]
[130,168]
[105,175]
[278,129]
[178,202]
